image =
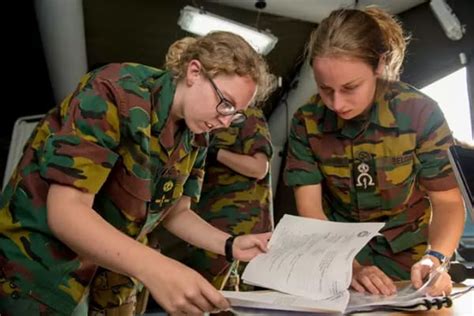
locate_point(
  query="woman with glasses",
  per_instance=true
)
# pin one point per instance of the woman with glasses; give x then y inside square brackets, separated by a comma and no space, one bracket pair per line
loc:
[121,154]
[368,147]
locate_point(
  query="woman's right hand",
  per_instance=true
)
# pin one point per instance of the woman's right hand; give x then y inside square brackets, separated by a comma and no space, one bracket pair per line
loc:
[181,290]
[371,279]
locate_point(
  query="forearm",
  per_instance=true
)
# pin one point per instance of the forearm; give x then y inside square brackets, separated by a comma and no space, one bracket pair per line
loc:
[187,225]
[255,166]
[87,234]
[309,201]
[312,213]
[447,223]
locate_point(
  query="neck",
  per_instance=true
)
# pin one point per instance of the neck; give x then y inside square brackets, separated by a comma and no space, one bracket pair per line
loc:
[177,110]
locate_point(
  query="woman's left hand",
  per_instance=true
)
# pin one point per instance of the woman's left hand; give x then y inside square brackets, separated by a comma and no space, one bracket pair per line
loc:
[441,283]
[248,246]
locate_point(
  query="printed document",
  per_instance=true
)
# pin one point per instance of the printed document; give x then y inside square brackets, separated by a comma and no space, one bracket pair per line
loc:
[309,257]
[308,268]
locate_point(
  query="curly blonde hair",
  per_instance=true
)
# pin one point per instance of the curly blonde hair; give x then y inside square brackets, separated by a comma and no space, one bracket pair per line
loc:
[368,35]
[221,53]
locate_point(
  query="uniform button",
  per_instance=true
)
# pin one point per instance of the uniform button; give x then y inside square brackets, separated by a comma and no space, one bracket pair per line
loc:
[12,285]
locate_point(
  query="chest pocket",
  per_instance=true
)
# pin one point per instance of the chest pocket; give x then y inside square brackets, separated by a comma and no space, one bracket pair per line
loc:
[127,192]
[396,178]
[337,176]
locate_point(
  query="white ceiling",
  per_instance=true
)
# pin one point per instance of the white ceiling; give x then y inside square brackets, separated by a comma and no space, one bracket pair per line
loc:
[315,10]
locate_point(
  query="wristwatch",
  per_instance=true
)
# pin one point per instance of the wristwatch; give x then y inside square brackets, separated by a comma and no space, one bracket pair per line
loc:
[228,249]
[443,260]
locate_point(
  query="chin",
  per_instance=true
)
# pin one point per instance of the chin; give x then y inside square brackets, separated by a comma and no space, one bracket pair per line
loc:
[196,129]
[192,126]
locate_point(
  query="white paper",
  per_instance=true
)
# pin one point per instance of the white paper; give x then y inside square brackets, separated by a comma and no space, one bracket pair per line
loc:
[309,257]
[405,296]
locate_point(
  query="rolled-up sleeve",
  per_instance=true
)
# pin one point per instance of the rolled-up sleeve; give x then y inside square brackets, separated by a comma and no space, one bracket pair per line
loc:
[434,140]
[255,134]
[301,165]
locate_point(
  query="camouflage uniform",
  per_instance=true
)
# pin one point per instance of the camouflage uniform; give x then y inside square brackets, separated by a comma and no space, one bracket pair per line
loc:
[108,138]
[230,201]
[378,167]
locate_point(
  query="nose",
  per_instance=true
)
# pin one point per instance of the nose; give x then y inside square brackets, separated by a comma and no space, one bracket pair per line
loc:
[225,120]
[337,102]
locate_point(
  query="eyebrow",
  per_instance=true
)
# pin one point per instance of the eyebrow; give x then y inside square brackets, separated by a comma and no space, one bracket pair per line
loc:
[228,97]
[354,81]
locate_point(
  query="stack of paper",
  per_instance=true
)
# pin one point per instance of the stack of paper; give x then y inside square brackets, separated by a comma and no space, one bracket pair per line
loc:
[309,268]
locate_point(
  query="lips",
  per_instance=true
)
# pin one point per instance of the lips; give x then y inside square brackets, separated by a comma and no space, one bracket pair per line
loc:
[343,112]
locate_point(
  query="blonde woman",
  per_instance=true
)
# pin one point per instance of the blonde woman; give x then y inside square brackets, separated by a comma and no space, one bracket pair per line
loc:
[122,153]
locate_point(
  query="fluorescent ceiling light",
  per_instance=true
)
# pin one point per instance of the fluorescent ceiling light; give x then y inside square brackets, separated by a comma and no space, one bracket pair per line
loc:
[448,20]
[200,22]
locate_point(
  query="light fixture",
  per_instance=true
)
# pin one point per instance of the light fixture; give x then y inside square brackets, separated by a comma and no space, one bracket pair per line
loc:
[448,20]
[200,22]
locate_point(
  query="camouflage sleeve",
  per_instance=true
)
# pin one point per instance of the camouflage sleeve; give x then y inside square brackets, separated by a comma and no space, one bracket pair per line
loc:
[193,185]
[80,153]
[255,135]
[433,140]
[301,165]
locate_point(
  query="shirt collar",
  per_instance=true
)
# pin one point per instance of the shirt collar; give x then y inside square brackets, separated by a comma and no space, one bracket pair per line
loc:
[163,89]
[382,114]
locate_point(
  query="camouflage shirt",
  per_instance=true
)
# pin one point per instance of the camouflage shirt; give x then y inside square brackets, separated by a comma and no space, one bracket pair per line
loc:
[231,201]
[108,138]
[378,167]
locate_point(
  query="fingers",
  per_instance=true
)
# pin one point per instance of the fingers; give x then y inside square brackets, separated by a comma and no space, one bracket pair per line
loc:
[384,285]
[254,240]
[190,304]
[357,286]
[441,286]
[369,284]
[215,298]
[373,280]
[187,309]
[262,241]
[416,276]
[201,303]
[184,291]
[419,271]
[202,299]
[266,236]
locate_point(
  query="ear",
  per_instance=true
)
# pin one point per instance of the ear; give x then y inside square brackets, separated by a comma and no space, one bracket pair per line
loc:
[193,72]
[381,66]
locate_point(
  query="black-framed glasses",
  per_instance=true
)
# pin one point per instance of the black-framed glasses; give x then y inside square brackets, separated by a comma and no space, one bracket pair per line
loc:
[225,107]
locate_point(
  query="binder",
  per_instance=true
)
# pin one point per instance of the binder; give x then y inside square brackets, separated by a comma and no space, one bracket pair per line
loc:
[420,304]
